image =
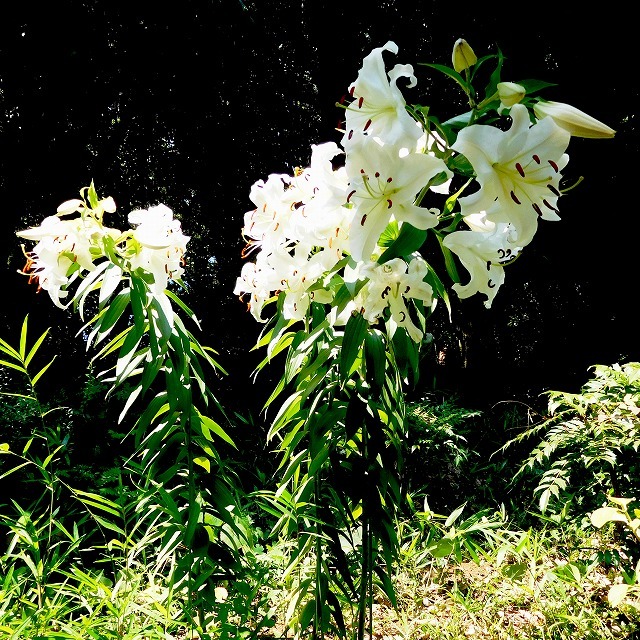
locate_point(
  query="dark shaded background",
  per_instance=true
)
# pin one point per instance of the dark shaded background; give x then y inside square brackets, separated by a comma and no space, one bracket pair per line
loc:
[190,103]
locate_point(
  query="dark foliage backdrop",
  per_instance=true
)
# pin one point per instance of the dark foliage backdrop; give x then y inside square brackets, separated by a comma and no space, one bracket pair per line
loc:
[189,103]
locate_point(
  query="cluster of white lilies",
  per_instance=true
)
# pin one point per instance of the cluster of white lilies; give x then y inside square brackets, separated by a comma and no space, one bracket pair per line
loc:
[329,223]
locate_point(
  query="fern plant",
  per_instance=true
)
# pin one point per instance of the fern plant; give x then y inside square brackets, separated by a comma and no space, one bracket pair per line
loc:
[589,442]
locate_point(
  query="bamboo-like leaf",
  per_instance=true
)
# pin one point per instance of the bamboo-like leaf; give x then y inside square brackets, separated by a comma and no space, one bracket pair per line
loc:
[23,339]
[96,500]
[35,348]
[11,365]
[42,371]
[9,350]
[454,515]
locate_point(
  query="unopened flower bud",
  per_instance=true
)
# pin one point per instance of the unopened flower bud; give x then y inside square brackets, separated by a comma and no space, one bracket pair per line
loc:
[70,206]
[576,122]
[463,56]
[510,93]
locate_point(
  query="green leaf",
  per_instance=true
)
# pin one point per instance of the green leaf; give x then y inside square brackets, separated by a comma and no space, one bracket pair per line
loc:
[88,284]
[203,462]
[409,240]
[9,350]
[41,372]
[606,514]
[319,460]
[443,548]
[92,196]
[617,593]
[207,424]
[23,338]
[354,335]
[105,321]
[35,348]
[532,85]
[455,514]
[375,357]
[448,71]
[11,365]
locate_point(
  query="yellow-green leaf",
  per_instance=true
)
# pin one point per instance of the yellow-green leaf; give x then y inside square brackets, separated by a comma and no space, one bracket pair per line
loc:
[606,514]
[203,462]
[617,594]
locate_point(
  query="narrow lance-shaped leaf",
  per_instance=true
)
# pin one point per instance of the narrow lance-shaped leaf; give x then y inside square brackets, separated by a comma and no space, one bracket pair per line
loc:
[354,335]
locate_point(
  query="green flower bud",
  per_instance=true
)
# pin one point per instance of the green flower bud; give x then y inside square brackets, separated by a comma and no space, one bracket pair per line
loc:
[510,93]
[576,122]
[463,56]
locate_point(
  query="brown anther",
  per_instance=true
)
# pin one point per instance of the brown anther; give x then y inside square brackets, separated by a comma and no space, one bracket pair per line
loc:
[553,165]
[536,158]
[520,169]
[514,198]
[537,209]
[364,217]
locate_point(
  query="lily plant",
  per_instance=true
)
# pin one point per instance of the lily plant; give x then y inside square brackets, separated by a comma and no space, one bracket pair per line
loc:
[340,272]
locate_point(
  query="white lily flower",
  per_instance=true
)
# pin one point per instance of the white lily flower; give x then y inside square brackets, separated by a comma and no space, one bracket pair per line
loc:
[518,171]
[267,225]
[391,285]
[379,109]
[258,282]
[62,247]
[161,244]
[384,185]
[74,237]
[483,254]
[298,272]
[322,220]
